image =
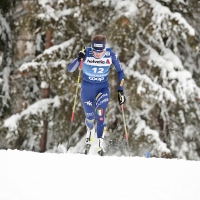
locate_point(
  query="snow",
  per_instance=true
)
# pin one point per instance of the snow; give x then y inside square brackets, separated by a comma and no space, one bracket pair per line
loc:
[125,8]
[34,109]
[179,1]
[44,84]
[5,26]
[47,52]
[57,176]
[162,12]
[35,176]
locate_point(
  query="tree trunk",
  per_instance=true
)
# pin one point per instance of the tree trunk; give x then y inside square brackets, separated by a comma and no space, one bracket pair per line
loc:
[43,140]
[46,94]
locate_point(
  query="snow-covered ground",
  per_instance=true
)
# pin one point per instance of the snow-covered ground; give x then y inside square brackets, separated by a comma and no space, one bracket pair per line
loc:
[34,176]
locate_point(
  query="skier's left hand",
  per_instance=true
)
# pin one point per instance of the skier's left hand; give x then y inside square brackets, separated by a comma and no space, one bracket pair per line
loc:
[121,97]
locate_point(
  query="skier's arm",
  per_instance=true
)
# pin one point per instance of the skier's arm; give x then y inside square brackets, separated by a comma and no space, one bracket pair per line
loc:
[76,63]
[118,67]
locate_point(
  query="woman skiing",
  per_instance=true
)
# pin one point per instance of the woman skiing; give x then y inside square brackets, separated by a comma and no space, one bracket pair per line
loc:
[95,91]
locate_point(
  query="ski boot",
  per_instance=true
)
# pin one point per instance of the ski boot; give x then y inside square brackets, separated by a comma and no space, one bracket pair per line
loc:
[101,152]
[89,139]
[100,149]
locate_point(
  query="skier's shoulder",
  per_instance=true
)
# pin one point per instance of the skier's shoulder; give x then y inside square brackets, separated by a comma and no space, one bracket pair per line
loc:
[113,55]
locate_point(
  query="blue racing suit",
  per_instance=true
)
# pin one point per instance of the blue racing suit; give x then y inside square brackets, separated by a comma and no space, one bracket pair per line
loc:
[95,91]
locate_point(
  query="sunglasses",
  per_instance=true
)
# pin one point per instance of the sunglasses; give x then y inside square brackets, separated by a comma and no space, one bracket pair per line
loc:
[98,51]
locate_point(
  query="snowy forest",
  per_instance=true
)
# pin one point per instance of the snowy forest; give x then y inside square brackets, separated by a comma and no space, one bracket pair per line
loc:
[158,44]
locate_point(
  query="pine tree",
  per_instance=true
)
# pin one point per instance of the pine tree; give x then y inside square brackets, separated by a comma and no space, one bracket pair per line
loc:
[6,64]
[159,50]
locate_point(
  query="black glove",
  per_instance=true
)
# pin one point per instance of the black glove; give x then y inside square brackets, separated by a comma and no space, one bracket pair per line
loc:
[81,54]
[121,97]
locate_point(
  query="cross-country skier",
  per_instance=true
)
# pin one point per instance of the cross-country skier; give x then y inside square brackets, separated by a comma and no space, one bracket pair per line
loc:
[95,91]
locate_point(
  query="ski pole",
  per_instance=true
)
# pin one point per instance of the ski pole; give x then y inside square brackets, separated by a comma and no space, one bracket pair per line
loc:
[74,106]
[125,129]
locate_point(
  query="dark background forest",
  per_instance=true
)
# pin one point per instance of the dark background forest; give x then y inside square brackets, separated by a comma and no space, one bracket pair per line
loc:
[158,45]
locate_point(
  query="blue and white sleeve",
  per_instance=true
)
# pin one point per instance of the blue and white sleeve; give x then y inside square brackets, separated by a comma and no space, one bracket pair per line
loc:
[74,65]
[119,69]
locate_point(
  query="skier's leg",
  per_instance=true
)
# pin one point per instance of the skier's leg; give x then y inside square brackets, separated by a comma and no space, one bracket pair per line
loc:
[101,104]
[88,104]
[89,135]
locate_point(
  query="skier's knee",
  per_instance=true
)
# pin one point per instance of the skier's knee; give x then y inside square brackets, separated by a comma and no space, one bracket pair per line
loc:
[89,122]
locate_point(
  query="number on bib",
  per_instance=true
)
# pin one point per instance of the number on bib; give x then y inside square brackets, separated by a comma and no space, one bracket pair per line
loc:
[98,70]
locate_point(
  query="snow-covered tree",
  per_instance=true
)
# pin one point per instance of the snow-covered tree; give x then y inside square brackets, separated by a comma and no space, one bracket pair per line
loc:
[6,63]
[166,102]
[159,50]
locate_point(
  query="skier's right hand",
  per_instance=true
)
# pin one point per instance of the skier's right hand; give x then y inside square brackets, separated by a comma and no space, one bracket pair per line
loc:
[81,54]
